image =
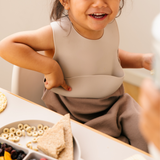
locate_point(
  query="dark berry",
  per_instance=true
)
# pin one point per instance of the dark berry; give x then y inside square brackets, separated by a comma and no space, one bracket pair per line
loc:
[1,152]
[8,149]
[4,145]
[20,152]
[23,155]
[14,154]
[19,157]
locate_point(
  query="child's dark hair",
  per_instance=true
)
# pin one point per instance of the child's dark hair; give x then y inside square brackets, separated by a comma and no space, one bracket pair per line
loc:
[58,10]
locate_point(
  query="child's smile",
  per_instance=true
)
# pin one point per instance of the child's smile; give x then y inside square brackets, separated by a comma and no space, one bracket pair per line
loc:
[98,16]
[90,17]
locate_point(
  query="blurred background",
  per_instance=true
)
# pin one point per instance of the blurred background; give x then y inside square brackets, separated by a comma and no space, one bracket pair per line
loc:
[134,26]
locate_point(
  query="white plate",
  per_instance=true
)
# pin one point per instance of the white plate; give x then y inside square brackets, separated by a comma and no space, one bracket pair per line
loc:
[23,140]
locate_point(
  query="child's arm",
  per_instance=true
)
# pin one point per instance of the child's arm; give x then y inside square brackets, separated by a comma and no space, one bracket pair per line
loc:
[21,49]
[135,60]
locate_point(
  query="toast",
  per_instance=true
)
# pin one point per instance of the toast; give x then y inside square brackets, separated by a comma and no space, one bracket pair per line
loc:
[57,142]
[67,152]
[52,142]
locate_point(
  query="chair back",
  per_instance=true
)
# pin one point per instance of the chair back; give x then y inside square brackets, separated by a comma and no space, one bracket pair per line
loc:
[27,84]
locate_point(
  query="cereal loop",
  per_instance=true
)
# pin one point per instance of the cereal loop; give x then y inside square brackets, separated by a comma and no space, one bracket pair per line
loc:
[28,129]
[40,132]
[20,126]
[26,126]
[4,135]
[11,135]
[16,139]
[11,139]
[19,133]
[40,126]
[34,140]
[12,130]
[35,134]
[35,148]
[6,130]
[29,145]
[45,128]
[33,128]
[29,133]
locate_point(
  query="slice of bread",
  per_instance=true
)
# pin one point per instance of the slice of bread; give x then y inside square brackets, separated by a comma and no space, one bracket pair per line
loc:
[3,102]
[67,152]
[52,142]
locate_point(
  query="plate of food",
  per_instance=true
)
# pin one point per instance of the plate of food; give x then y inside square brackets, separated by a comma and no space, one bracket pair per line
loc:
[42,139]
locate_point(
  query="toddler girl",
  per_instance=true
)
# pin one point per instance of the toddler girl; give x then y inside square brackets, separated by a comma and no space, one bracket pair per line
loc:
[82,66]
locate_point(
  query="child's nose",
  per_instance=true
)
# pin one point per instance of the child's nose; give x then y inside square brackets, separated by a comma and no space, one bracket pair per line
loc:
[99,3]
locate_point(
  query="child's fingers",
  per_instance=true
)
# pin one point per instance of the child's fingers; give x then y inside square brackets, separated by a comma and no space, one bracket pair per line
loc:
[47,86]
[65,86]
[147,61]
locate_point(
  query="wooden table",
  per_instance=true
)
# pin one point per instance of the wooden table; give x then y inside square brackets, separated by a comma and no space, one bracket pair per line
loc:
[94,144]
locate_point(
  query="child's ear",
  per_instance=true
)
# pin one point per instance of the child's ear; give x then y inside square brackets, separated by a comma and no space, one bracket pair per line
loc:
[65,4]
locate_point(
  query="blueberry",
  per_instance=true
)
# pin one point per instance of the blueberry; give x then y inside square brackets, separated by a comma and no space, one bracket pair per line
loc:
[20,152]
[19,157]
[23,155]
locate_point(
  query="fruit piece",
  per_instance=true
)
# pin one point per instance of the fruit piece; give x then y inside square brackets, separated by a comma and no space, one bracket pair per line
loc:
[4,145]
[1,152]
[14,154]
[20,152]
[1,157]
[7,156]
[21,156]
[43,159]
[8,149]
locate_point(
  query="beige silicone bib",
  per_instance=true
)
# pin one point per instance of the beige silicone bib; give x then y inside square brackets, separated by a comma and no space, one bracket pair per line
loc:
[90,67]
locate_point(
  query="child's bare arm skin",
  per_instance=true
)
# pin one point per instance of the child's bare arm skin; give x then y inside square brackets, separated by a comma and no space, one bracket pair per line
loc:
[135,60]
[21,49]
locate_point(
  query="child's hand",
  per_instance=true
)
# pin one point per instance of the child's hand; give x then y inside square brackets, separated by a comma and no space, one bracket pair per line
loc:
[56,79]
[147,60]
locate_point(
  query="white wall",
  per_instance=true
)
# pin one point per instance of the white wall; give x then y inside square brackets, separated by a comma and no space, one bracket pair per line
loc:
[134,24]
[20,15]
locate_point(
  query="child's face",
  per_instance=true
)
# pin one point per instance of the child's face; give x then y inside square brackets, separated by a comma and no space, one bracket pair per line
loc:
[89,17]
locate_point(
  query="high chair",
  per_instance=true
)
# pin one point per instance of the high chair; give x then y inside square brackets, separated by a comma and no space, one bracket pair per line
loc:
[27,84]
